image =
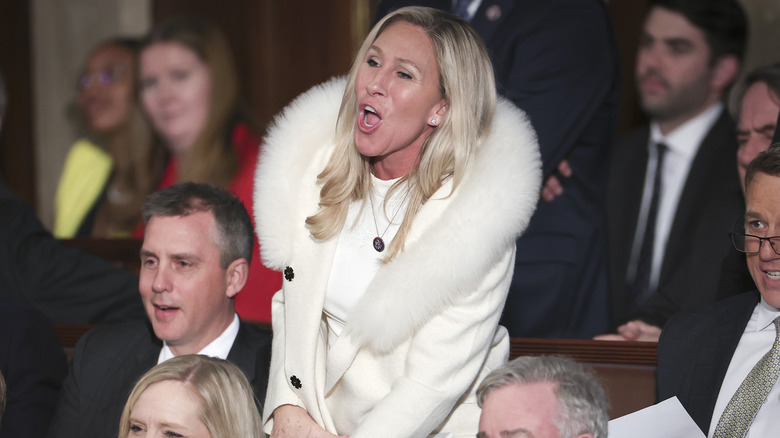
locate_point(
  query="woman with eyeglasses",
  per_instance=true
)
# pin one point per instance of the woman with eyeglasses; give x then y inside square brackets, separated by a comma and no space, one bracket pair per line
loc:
[111,169]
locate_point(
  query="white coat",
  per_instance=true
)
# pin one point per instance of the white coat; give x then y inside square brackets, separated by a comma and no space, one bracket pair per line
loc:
[425,333]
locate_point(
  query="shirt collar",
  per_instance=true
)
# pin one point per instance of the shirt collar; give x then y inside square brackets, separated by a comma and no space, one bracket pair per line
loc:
[685,140]
[766,315]
[219,347]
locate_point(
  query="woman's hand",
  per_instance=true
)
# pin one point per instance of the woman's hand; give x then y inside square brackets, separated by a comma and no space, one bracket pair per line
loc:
[293,422]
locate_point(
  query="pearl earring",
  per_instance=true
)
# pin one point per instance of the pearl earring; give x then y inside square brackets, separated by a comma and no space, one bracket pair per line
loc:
[433,121]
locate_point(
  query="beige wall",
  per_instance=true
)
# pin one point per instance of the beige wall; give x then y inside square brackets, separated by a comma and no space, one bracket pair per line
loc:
[764,46]
[62,34]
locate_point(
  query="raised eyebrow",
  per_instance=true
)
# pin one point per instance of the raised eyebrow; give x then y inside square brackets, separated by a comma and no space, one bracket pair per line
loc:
[147,253]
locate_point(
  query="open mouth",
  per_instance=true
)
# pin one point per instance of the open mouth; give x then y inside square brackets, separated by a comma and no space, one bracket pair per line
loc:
[369,119]
[162,311]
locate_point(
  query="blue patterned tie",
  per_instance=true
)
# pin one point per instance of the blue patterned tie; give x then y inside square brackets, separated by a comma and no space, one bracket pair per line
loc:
[751,394]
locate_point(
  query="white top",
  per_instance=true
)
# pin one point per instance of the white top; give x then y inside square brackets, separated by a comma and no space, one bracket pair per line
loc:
[219,347]
[683,144]
[355,261]
[757,339]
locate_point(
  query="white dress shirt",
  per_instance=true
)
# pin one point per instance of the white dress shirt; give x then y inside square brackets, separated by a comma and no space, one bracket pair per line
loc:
[355,261]
[756,341]
[682,145]
[219,348]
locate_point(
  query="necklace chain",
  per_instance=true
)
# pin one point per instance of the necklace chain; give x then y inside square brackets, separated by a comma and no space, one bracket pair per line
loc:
[378,243]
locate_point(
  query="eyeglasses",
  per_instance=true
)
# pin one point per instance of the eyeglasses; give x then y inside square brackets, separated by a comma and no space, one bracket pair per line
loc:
[105,78]
[750,243]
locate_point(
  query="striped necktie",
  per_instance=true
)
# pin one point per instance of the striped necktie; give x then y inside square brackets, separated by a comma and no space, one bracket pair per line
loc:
[751,394]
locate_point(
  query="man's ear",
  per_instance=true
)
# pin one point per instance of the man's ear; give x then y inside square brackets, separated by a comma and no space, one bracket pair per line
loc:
[236,274]
[725,71]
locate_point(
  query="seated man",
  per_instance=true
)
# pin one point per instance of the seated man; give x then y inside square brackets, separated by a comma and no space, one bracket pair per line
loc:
[756,107]
[543,397]
[721,361]
[33,365]
[194,259]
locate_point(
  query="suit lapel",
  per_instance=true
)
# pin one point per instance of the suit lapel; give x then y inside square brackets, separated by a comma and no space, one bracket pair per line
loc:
[715,358]
[716,144]
[242,354]
[627,180]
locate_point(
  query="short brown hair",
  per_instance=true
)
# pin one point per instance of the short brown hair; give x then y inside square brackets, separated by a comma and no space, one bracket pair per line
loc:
[767,162]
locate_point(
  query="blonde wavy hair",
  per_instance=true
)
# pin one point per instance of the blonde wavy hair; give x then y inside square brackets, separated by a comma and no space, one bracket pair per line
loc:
[467,84]
[227,403]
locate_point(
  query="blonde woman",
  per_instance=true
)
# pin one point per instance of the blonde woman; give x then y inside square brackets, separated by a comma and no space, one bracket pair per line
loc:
[194,396]
[398,197]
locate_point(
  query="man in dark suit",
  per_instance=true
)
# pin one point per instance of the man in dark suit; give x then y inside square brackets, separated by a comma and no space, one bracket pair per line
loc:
[705,355]
[194,260]
[674,190]
[33,364]
[556,60]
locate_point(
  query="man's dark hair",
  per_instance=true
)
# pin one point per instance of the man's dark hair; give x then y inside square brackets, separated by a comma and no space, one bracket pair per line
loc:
[723,22]
[233,222]
[769,75]
[767,162]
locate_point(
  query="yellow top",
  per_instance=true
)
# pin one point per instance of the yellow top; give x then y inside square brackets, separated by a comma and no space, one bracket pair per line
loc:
[84,176]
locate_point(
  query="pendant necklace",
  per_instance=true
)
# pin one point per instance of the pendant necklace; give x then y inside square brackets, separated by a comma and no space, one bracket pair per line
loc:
[379,244]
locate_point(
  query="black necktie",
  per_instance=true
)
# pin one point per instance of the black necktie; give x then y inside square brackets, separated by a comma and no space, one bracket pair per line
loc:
[644,266]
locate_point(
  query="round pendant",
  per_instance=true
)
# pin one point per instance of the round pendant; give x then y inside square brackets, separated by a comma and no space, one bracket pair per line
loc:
[379,244]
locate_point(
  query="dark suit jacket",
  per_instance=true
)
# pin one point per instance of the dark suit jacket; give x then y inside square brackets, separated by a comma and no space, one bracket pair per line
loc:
[698,241]
[108,361]
[33,365]
[695,350]
[64,283]
[557,61]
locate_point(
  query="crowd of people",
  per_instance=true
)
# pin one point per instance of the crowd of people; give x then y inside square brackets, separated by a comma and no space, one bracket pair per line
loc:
[396,226]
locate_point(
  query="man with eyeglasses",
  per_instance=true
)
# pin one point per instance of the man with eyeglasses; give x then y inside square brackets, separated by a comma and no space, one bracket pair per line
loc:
[722,361]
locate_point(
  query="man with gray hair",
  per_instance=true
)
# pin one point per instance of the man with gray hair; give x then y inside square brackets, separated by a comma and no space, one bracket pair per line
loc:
[194,260]
[542,397]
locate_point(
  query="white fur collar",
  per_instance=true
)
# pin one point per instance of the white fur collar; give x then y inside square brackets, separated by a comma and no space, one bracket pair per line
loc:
[468,233]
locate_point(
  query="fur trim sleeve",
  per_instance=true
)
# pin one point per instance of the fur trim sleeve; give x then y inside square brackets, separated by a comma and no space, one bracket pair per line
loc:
[298,140]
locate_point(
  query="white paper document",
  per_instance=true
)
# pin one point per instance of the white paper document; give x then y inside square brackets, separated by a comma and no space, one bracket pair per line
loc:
[667,419]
